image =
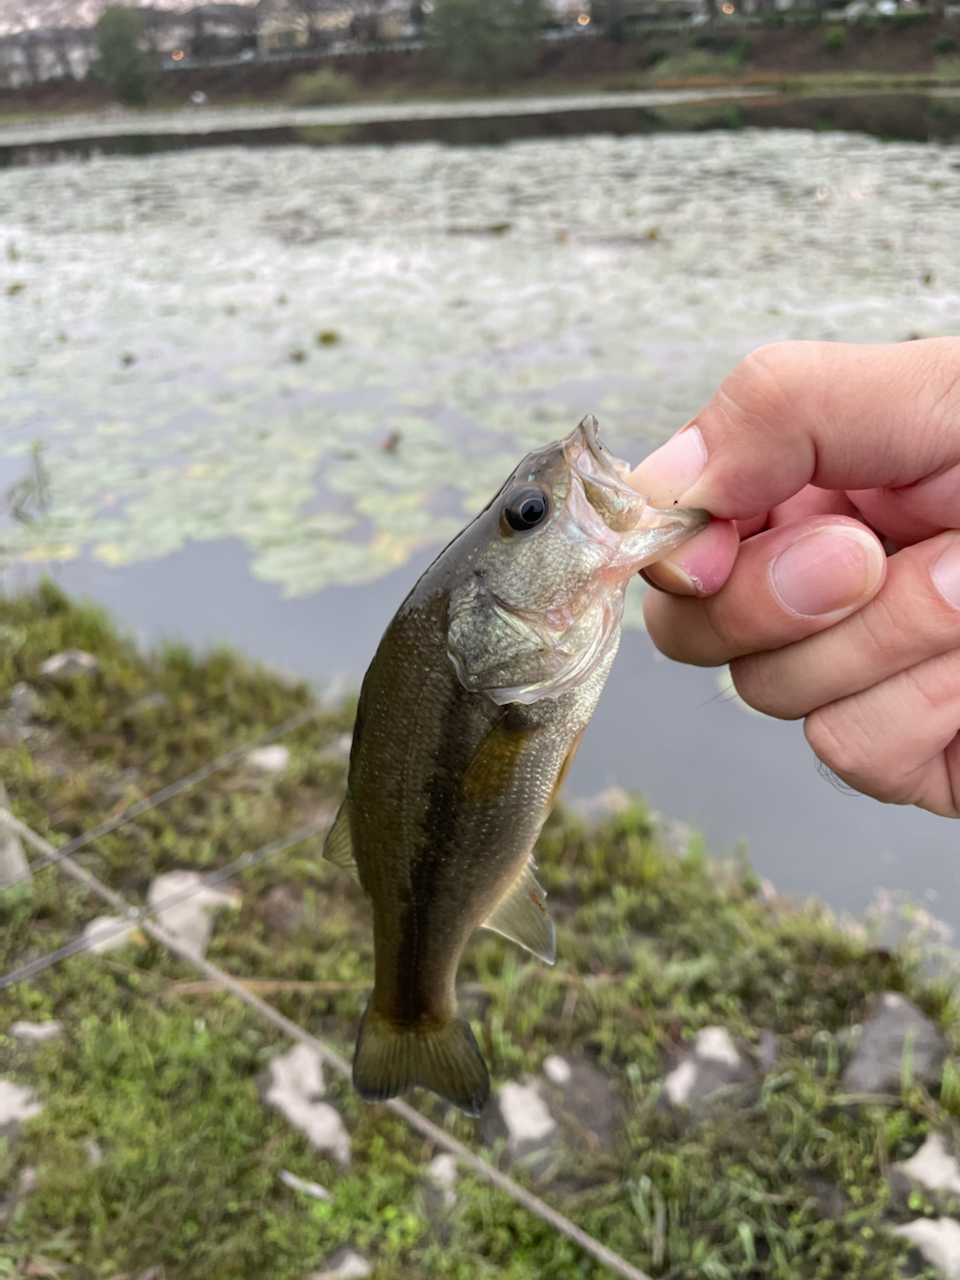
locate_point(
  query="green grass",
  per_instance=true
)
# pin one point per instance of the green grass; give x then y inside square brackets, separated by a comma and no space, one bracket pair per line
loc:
[650,947]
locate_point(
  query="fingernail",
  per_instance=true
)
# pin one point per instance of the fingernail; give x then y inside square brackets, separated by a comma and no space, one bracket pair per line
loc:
[829,569]
[669,577]
[670,470]
[946,575]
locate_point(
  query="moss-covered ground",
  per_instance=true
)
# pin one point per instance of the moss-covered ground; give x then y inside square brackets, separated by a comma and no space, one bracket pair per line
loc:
[166,1080]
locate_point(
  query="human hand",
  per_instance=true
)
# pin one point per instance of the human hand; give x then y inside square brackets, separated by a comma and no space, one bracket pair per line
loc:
[806,453]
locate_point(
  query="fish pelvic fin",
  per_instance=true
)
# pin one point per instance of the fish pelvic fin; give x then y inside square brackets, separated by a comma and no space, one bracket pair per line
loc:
[446,1058]
[338,846]
[521,916]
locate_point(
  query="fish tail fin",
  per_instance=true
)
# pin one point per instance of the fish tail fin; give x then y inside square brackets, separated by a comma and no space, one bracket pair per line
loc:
[391,1059]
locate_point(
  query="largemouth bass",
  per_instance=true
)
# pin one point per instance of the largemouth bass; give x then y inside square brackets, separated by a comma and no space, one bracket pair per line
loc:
[469,718]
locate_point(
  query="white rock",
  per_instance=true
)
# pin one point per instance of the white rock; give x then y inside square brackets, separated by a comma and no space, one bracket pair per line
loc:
[525,1113]
[94,1151]
[23,702]
[938,1239]
[713,1044]
[298,1071]
[27,1182]
[442,1172]
[191,920]
[680,1082]
[34,1031]
[70,662]
[13,860]
[302,1184]
[711,1062]
[933,1166]
[557,1069]
[17,1102]
[296,1081]
[272,759]
[351,1266]
[106,933]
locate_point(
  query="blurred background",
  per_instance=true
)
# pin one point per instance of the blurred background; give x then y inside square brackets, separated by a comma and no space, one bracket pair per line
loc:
[289,287]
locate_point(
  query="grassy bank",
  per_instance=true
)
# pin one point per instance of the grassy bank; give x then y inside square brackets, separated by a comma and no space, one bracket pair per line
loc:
[165,1080]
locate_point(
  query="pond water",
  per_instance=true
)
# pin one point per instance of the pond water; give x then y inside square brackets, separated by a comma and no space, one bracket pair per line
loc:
[269,382]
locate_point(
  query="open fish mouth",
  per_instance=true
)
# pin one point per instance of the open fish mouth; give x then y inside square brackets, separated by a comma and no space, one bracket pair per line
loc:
[586,455]
[603,483]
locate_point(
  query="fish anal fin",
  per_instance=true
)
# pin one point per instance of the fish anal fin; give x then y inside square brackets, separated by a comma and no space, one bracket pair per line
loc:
[521,915]
[494,763]
[338,846]
[445,1057]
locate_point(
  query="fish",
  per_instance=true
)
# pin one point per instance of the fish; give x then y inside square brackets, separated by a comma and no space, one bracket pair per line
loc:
[469,718]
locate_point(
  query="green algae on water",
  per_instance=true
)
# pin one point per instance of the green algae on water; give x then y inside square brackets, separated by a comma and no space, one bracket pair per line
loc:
[159,298]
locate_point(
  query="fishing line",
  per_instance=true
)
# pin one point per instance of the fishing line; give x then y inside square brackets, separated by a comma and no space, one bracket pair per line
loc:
[526,1199]
[135,915]
[167,793]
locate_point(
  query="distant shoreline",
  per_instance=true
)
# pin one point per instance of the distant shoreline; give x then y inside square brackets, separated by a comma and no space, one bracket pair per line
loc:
[905,53]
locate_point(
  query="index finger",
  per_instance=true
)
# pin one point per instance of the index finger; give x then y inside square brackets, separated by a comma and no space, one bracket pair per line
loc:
[834,415]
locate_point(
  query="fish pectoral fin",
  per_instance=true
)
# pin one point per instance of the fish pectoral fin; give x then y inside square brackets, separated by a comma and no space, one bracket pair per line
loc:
[494,764]
[521,916]
[391,1059]
[338,846]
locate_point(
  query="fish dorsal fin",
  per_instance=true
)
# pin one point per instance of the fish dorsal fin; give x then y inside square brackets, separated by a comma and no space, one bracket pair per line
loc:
[521,916]
[338,846]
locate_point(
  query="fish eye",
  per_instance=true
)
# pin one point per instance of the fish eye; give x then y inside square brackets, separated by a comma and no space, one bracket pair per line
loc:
[526,509]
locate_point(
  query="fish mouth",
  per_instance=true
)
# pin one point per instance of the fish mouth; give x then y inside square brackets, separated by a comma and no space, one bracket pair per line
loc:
[582,446]
[607,507]
[602,479]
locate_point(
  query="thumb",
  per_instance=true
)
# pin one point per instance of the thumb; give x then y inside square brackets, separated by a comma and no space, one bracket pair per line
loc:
[834,415]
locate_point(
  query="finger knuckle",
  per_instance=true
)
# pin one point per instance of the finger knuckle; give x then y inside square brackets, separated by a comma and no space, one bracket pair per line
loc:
[945,380]
[759,388]
[885,630]
[726,630]
[838,743]
[934,682]
[759,680]
[671,627]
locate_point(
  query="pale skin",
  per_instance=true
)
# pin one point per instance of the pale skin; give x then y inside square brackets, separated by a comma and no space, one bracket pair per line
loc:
[817,460]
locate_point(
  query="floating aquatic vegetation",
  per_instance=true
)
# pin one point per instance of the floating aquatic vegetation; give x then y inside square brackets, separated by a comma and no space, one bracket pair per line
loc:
[150,345]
